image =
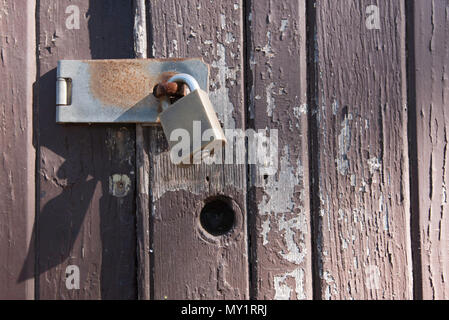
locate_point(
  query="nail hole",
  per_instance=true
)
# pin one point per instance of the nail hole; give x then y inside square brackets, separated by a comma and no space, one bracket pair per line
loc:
[207,179]
[217,217]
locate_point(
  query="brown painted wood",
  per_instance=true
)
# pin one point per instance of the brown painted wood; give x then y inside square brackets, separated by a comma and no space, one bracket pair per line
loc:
[280,206]
[361,174]
[85,216]
[431,60]
[142,169]
[335,215]
[17,209]
[187,262]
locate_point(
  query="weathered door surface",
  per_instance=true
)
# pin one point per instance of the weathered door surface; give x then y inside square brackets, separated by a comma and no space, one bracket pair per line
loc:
[352,99]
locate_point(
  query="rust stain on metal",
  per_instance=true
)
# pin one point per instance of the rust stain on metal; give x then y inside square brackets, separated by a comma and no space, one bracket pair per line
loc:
[122,83]
[119,83]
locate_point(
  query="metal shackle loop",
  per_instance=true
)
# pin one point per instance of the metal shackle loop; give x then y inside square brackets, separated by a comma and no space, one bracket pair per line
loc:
[187,79]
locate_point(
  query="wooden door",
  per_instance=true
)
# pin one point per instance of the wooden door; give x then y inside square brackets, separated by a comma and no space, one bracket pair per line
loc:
[354,92]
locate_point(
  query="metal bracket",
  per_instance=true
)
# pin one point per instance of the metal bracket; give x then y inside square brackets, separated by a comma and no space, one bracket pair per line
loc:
[117,91]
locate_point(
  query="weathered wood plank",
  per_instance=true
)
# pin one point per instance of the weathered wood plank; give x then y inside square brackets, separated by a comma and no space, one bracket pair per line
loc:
[431,61]
[87,173]
[187,262]
[280,206]
[17,193]
[362,202]
[142,169]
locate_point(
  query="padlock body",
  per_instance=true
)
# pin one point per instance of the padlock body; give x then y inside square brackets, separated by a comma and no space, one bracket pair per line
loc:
[190,113]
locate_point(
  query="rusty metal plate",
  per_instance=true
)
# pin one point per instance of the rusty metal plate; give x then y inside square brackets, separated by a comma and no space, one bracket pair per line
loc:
[117,91]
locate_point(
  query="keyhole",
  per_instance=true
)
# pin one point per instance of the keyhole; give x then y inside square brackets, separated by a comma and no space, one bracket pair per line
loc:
[217,217]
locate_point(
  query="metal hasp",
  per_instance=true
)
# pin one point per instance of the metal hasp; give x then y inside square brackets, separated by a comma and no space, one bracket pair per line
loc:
[117,91]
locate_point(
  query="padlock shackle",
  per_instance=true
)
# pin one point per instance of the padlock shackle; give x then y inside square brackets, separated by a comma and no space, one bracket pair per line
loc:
[187,79]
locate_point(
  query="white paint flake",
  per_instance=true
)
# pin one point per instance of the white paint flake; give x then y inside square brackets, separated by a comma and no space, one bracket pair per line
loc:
[383,209]
[374,164]
[220,95]
[344,144]
[296,252]
[299,111]
[267,49]
[279,200]
[265,230]
[223,21]
[282,289]
[229,38]
[279,197]
[270,99]
[331,287]
[284,25]
[175,48]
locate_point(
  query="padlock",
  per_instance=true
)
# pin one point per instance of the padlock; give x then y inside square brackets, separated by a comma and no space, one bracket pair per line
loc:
[195,116]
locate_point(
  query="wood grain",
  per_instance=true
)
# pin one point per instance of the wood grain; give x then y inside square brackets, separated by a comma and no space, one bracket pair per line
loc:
[431,87]
[17,160]
[361,175]
[142,169]
[187,262]
[280,205]
[86,216]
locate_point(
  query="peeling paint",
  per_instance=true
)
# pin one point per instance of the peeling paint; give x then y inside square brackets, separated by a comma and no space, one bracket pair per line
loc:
[344,144]
[283,291]
[374,164]
[353,180]
[331,286]
[267,49]
[335,107]
[223,21]
[383,209]
[219,96]
[270,99]
[265,230]
[280,199]
[230,38]
[284,25]
[296,252]
[301,110]
[283,28]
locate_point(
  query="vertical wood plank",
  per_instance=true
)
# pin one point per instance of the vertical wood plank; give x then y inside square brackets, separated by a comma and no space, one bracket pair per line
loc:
[84,219]
[431,84]
[360,118]
[17,193]
[280,206]
[142,169]
[187,262]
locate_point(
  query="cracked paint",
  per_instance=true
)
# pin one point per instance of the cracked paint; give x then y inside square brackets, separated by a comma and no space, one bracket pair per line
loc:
[219,95]
[344,144]
[283,291]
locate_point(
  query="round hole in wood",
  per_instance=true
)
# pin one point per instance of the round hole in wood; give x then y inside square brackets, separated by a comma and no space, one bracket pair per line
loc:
[217,217]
